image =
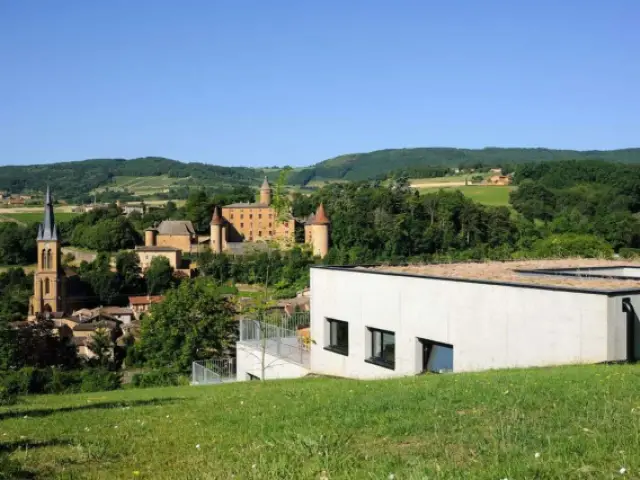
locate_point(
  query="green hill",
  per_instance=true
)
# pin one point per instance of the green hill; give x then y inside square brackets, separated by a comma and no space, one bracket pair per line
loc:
[72,179]
[372,165]
[554,423]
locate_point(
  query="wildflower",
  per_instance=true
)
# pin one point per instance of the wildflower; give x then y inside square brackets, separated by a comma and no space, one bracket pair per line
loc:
[136,473]
[391,476]
[253,467]
[167,416]
[86,429]
[26,416]
[198,446]
[623,471]
[115,426]
[537,455]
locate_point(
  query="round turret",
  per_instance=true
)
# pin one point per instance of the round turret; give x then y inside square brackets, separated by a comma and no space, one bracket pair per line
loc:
[265,192]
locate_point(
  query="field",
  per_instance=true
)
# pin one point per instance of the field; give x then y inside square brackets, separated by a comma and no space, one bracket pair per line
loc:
[148,186]
[485,194]
[561,423]
[35,217]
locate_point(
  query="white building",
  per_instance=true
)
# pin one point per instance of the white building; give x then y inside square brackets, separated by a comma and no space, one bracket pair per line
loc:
[403,321]
[382,322]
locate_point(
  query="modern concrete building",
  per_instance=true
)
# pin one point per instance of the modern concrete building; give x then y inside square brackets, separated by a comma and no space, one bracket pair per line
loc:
[380,322]
[394,321]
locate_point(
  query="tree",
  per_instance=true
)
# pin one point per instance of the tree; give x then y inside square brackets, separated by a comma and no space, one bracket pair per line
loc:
[195,321]
[159,275]
[129,270]
[102,347]
[98,275]
[199,209]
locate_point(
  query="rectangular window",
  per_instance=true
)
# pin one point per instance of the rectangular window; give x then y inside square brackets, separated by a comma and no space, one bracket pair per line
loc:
[250,215]
[270,233]
[259,215]
[383,348]
[241,225]
[286,224]
[241,216]
[270,224]
[259,233]
[436,357]
[338,336]
[231,216]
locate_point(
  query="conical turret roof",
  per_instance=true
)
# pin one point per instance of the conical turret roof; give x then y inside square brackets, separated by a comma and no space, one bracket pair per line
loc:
[320,216]
[265,184]
[216,219]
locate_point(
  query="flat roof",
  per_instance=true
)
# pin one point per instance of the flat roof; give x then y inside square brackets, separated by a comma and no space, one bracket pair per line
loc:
[587,275]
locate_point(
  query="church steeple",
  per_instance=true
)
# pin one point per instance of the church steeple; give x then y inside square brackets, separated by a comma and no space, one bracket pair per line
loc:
[48,229]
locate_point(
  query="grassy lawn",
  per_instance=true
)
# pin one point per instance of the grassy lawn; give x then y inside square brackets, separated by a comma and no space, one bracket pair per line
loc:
[563,423]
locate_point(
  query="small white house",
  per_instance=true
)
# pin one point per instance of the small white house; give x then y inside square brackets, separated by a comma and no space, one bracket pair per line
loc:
[392,321]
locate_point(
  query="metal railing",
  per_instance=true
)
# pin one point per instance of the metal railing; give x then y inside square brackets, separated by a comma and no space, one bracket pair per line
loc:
[275,340]
[215,370]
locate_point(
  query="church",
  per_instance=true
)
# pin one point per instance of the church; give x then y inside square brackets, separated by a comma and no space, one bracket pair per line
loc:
[58,292]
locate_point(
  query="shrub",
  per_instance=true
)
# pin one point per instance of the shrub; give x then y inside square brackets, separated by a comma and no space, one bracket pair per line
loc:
[630,253]
[7,397]
[571,245]
[64,382]
[98,379]
[159,378]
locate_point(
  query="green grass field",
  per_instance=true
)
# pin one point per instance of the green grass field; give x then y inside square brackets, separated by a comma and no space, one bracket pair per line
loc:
[36,217]
[487,195]
[562,423]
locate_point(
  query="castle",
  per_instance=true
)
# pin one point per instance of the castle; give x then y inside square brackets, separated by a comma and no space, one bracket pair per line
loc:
[239,225]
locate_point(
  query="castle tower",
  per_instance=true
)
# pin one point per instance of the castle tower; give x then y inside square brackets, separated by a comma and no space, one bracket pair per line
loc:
[320,232]
[265,192]
[150,237]
[217,224]
[47,290]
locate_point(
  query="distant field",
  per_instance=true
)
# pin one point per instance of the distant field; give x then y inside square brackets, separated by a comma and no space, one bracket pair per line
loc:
[485,194]
[146,186]
[545,423]
[33,217]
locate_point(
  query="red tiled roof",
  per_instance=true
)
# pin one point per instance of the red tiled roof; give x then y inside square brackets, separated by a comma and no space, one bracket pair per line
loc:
[145,300]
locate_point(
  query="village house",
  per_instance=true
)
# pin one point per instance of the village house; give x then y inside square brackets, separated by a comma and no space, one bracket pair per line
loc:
[140,304]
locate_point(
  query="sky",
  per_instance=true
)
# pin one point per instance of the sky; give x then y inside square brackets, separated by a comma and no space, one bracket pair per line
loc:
[275,82]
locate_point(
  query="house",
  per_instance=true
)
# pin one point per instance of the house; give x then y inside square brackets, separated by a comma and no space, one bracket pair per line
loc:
[178,234]
[500,180]
[147,254]
[385,321]
[140,304]
[16,201]
[123,314]
[497,171]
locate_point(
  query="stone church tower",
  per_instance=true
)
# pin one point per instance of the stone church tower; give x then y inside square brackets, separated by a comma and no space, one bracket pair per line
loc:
[48,288]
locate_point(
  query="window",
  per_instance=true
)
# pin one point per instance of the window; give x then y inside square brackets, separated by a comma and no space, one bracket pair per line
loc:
[338,336]
[270,215]
[241,216]
[250,216]
[259,233]
[241,225]
[47,286]
[231,216]
[383,348]
[259,215]
[436,357]
[270,224]
[270,233]
[286,224]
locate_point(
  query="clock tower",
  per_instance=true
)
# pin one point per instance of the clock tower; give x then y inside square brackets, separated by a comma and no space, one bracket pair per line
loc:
[48,294]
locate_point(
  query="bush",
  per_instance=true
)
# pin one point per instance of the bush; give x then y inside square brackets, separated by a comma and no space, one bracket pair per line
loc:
[98,380]
[64,382]
[159,378]
[630,253]
[6,397]
[568,245]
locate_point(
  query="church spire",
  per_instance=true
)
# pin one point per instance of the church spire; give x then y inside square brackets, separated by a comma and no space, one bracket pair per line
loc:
[48,229]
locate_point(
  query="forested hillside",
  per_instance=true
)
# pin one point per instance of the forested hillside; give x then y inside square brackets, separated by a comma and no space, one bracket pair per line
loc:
[73,179]
[373,165]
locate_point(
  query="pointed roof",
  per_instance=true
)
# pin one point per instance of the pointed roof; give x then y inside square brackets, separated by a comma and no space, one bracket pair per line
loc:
[48,229]
[217,217]
[320,217]
[265,184]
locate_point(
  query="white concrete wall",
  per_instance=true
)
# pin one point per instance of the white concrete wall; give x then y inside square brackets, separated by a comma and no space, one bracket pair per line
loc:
[490,326]
[249,360]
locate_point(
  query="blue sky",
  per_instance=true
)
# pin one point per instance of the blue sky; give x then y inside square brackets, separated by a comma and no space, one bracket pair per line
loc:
[277,82]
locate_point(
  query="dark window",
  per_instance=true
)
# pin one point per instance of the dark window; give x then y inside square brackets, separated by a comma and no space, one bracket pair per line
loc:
[383,348]
[241,216]
[270,224]
[241,225]
[436,357]
[338,336]
[231,216]
[250,215]
[259,233]
[286,224]
[270,233]
[259,215]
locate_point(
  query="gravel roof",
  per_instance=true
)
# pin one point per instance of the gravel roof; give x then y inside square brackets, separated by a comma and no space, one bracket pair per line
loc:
[511,272]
